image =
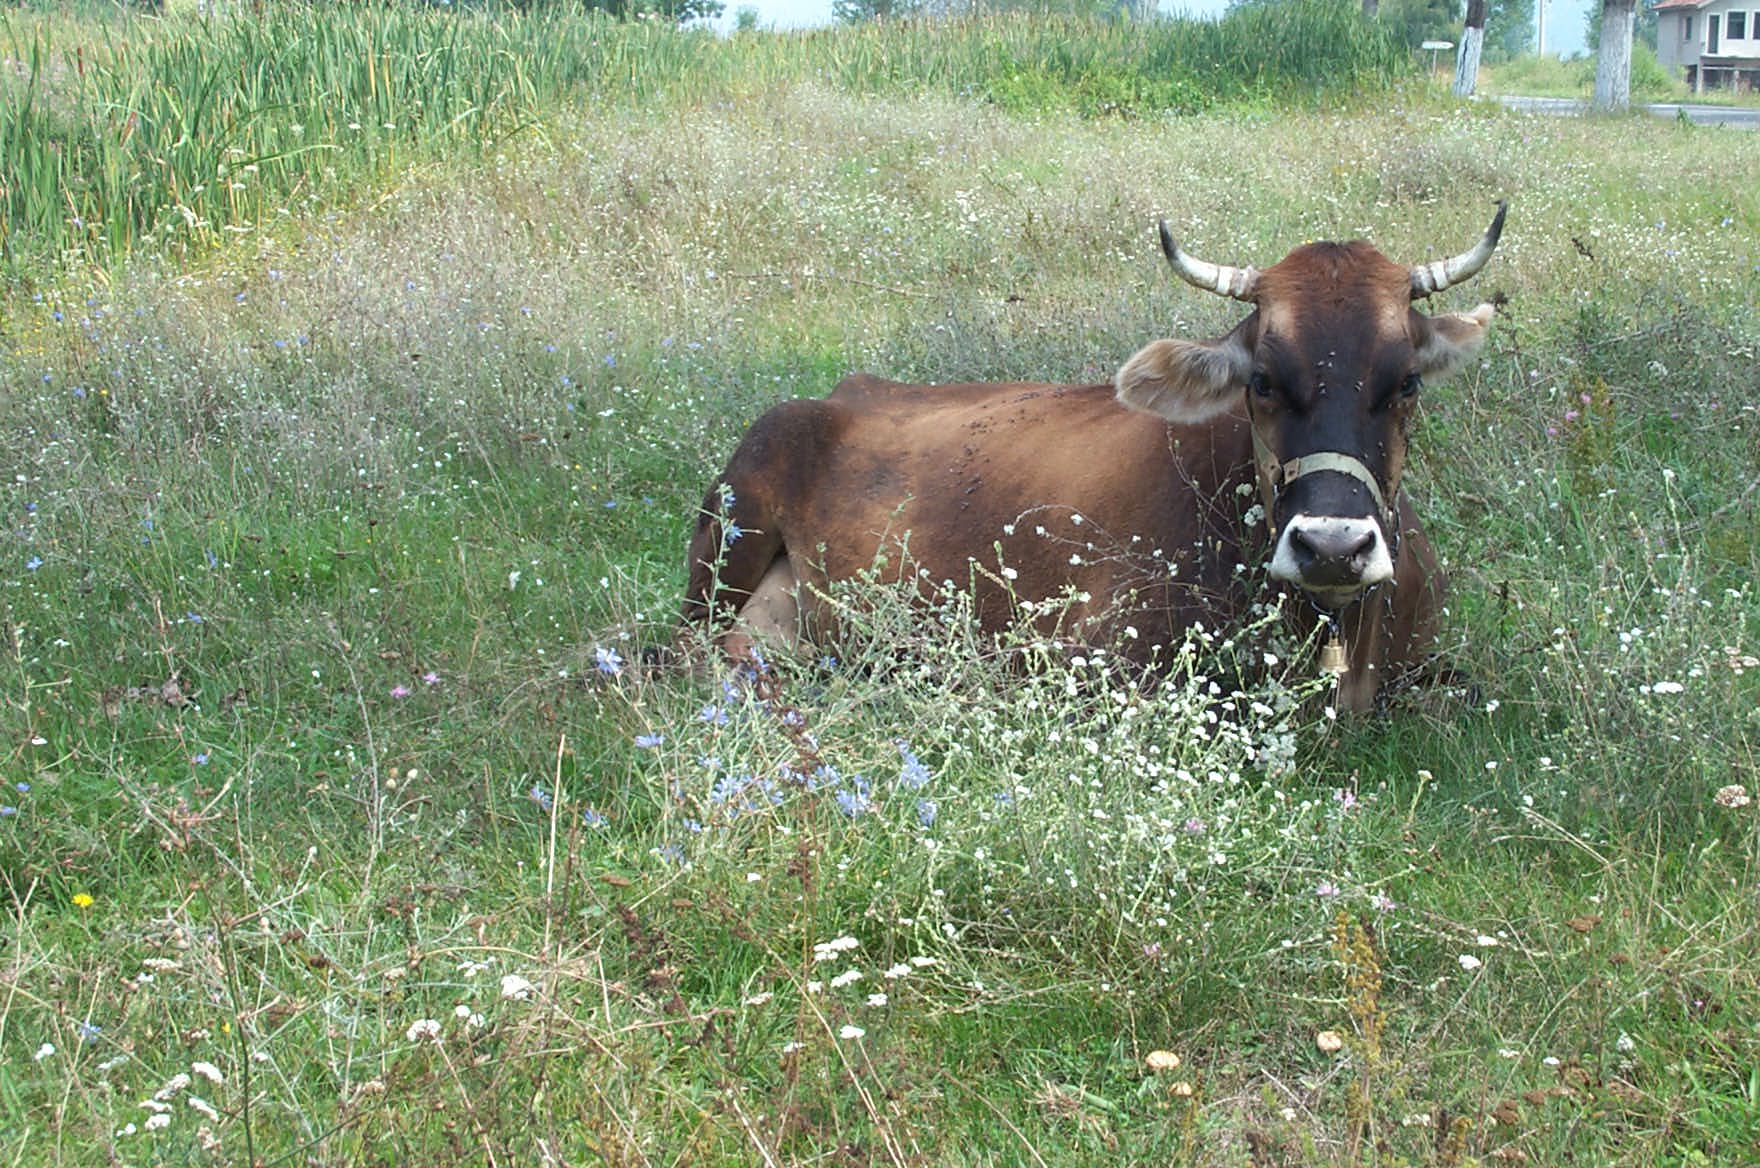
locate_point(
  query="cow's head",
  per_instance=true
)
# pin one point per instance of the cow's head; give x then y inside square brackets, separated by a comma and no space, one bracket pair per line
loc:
[1330,361]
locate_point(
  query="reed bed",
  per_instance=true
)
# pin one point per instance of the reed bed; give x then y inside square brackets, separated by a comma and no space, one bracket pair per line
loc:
[184,129]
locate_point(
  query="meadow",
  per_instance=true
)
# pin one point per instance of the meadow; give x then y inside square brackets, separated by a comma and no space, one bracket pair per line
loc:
[343,825]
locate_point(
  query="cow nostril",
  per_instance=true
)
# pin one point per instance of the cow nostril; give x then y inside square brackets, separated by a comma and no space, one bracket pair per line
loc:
[1330,544]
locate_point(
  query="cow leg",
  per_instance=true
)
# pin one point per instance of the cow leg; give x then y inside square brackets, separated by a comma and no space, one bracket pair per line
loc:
[725,572]
[771,615]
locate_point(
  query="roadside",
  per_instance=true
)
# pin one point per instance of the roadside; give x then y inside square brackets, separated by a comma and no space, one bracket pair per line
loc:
[1740,117]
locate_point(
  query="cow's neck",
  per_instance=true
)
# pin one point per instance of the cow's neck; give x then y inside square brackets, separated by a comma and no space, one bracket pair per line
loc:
[1361,628]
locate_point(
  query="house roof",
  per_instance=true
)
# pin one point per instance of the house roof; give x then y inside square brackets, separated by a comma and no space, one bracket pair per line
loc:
[1662,5]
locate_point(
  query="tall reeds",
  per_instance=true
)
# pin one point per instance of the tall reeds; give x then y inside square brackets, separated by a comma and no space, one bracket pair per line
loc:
[176,130]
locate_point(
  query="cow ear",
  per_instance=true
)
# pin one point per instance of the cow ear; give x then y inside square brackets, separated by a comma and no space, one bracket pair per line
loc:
[1188,382]
[1450,339]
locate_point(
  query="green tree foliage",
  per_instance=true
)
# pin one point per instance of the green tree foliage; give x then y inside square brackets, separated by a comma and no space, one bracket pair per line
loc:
[680,11]
[1417,21]
[855,11]
[1643,30]
[1509,30]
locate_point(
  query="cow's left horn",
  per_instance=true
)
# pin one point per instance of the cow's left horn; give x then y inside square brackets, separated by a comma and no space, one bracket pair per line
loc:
[1240,283]
[1434,277]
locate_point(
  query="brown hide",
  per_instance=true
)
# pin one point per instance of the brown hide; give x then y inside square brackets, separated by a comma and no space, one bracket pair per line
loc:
[1134,496]
[1059,483]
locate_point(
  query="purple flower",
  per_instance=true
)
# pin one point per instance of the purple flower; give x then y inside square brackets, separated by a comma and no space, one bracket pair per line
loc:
[431,678]
[730,531]
[712,714]
[33,563]
[607,661]
[914,776]
[592,818]
[1326,890]
[854,800]
[541,797]
[649,741]
[1382,902]
[200,759]
[1346,800]
[926,811]
[400,691]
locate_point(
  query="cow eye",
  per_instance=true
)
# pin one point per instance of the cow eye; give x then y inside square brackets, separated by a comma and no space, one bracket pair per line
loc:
[1411,385]
[1260,385]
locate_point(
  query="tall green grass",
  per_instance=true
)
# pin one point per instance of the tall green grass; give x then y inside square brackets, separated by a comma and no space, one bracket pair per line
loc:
[185,129]
[336,802]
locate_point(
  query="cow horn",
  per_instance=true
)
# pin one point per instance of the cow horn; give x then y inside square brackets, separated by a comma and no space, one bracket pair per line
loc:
[1240,283]
[1434,277]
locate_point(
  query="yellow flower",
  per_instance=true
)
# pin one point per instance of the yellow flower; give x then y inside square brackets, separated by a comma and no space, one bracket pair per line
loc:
[82,900]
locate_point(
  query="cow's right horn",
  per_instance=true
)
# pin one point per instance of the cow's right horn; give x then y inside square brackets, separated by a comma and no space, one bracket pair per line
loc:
[1240,283]
[1434,277]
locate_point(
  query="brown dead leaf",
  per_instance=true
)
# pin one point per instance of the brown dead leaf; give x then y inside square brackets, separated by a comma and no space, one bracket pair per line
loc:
[1584,923]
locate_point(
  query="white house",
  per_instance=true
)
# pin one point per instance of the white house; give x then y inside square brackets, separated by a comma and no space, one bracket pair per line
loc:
[1711,44]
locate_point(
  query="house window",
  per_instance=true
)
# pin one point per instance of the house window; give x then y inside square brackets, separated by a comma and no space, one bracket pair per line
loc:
[1687,27]
[1738,26]
[1712,45]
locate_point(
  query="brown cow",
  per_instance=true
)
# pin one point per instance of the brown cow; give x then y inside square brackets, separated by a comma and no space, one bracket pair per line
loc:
[1138,496]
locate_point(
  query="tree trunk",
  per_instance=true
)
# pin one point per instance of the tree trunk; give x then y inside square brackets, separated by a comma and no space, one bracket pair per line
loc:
[1613,64]
[1466,62]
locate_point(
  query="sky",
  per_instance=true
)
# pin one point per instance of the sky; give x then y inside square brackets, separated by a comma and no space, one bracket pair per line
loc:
[1564,18]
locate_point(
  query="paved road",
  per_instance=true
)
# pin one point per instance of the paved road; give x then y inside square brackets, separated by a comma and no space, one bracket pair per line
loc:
[1741,117]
